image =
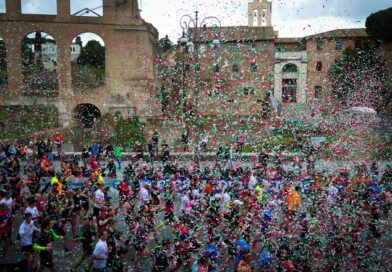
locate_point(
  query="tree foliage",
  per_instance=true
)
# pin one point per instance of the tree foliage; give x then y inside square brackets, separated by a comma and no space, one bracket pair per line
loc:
[379,25]
[165,44]
[27,53]
[30,45]
[92,54]
[117,129]
[358,78]
[129,131]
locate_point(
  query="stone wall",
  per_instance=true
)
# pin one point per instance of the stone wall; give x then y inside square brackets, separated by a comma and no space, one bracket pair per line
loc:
[327,55]
[130,45]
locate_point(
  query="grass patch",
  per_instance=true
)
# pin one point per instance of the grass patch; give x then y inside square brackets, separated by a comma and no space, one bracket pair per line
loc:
[17,121]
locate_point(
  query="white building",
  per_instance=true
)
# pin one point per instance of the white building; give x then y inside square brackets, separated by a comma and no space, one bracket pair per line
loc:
[49,56]
[75,51]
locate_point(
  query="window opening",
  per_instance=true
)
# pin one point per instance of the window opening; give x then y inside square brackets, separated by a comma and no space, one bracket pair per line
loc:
[338,45]
[39,7]
[91,8]
[289,90]
[319,66]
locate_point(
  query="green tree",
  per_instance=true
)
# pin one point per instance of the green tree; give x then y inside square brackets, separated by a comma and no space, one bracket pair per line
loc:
[358,78]
[379,25]
[129,131]
[27,53]
[35,76]
[92,54]
[165,44]
[78,41]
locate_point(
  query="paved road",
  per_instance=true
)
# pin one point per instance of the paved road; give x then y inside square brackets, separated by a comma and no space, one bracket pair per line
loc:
[64,262]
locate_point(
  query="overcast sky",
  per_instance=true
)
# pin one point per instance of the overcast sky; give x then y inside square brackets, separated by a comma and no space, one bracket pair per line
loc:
[292,18]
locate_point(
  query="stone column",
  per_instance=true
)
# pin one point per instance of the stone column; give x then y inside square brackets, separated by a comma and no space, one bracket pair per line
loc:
[278,81]
[268,7]
[14,64]
[65,115]
[109,9]
[13,7]
[301,87]
[63,8]
[64,71]
[251,7]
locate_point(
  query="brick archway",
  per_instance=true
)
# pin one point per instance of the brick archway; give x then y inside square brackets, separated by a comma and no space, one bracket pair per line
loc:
[86,114]
[130,47]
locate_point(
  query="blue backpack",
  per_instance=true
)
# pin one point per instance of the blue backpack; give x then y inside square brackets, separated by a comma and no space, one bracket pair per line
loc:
[211,252]
[265,259]
[268,215]
[242,245]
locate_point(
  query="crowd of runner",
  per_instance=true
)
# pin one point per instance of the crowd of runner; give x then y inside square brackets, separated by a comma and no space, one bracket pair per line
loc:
[189,217]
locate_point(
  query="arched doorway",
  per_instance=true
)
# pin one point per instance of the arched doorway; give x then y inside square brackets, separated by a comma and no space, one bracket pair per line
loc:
[289,83]
[86,114]
[39,62]
[87,61]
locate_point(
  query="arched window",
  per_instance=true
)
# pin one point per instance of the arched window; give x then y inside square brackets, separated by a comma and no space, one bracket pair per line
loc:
[88,61]
[255,17]
[289,90]
[264,18]
[39,62]
[290,68]
[87,114]
[289,83]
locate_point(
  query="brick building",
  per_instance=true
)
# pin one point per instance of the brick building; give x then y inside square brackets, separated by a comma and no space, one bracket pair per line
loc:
[232,76]
[130,78]
[322,50]
[231,70]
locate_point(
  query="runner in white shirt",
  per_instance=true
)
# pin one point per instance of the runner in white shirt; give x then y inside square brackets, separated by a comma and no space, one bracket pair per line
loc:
[184,202]
[252,181]
[7,200]
[32,209]
[100,254]
[26,231]
[144,194]
[99,200]
[196,194]
[332,193]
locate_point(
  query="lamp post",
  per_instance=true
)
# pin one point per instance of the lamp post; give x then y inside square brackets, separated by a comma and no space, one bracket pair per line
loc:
[190,41]
[183,41]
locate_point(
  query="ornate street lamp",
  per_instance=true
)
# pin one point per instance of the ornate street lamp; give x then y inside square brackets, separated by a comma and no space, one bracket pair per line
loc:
[190,42]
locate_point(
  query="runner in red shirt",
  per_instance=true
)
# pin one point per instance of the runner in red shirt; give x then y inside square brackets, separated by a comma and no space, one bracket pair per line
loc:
[58,141]
[123,191]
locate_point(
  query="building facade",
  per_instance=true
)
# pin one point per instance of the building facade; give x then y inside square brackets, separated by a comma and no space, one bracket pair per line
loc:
[233,70]
[232,76]
[322,50]
[129,81]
